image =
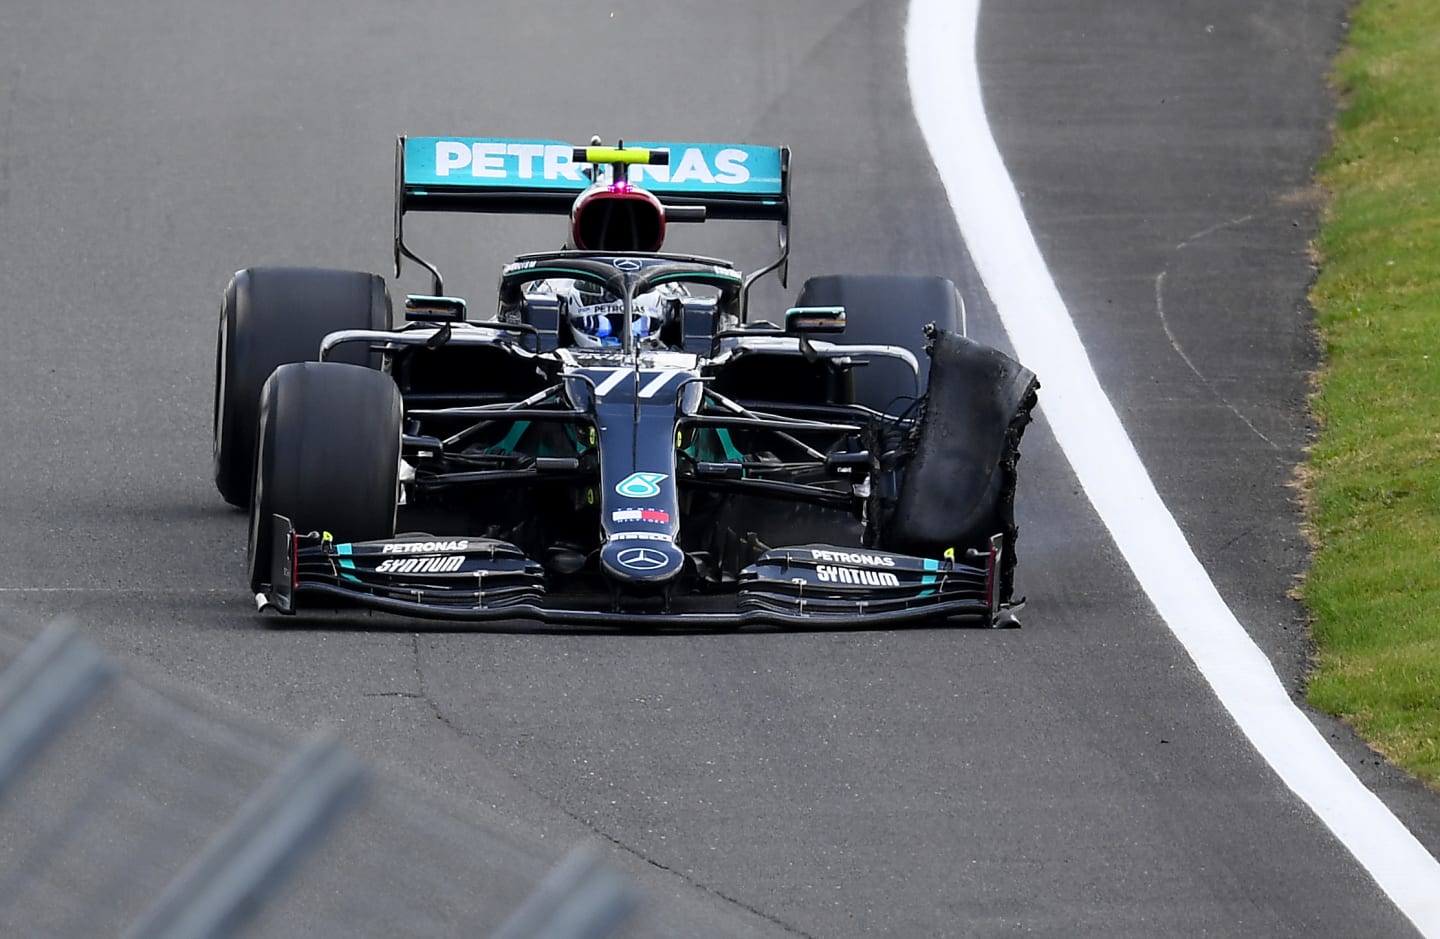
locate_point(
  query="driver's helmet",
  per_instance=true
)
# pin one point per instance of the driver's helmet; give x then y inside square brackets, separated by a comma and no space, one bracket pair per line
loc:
[593,314]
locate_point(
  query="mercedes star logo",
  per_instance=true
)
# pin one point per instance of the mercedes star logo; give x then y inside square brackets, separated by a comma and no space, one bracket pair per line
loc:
[626,264]
[641,559]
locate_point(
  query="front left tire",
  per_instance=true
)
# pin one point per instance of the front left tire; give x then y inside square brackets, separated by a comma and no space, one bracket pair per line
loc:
[327,456]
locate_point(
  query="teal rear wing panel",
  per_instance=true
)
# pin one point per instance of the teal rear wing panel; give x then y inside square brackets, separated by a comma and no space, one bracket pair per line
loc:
[501,175]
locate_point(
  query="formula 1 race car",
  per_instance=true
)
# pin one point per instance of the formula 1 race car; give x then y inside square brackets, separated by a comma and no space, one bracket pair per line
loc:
[625,442]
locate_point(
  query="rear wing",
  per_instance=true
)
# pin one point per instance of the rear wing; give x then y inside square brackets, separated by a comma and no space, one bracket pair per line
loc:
[496,175]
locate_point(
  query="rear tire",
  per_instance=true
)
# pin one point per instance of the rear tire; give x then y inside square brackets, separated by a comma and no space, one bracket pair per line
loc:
[887,309]
[328,456]
[270,316]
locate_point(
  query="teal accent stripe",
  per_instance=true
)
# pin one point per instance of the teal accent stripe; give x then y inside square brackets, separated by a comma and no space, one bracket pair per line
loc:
[697,276]
[573,436]
[930,565]
[732,452]
[345,562]
[507,445]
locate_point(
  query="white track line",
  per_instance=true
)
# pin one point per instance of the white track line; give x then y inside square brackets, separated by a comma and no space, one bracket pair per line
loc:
[945,90]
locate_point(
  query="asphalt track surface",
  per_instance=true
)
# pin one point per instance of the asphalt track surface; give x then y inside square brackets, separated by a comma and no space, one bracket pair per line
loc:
[1073,777]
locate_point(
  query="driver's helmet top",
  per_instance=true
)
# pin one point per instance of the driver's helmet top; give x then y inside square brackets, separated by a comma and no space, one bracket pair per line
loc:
[593,314]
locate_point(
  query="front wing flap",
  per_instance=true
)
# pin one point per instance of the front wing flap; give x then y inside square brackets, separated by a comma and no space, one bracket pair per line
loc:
[408,574]
[823,580]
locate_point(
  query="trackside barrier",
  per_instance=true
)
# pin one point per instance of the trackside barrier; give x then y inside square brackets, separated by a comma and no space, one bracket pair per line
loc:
[224,886]
[55,676]
[123,805]
[581,898]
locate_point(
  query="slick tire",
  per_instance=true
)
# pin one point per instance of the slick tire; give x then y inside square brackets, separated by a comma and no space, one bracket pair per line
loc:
[270,316]
[327,456]
[888,309]
[957,489]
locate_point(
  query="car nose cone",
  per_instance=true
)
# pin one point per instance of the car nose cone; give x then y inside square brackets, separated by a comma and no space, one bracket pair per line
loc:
[647,561]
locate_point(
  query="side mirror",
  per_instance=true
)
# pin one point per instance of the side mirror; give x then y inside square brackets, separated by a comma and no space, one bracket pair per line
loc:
[420,308]
[815,319]
[684,213]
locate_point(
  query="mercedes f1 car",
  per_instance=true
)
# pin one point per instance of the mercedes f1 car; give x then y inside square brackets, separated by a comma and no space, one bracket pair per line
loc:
[625,441]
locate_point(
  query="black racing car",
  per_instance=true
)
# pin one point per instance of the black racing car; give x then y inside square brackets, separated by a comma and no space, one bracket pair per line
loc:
[624,441]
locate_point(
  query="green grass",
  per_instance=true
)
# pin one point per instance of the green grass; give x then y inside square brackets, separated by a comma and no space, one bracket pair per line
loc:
[1373,480]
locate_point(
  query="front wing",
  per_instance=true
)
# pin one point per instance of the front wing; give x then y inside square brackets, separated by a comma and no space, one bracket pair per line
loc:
[482,580]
